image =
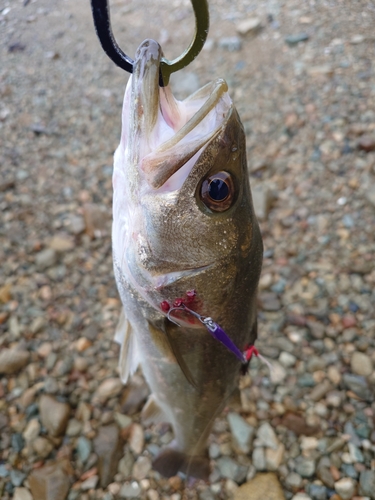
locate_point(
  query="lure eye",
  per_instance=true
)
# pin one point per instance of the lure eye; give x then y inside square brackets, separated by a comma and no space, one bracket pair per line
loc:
[217,191]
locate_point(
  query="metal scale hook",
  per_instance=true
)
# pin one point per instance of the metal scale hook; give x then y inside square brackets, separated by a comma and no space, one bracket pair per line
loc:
[100,12]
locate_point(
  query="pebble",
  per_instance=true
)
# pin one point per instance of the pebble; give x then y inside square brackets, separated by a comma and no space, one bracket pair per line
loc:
[317,492]
[61,243]
[136,438]
[345,487]
[287,359]
[274,458]
[17,477]
[250,26]
[361,364]
[12,360]
[50,482]
[109,388]
[231,469]
[74,428]
[242,432]
[84,448]
[90,483]
[108,447]
[125,465]
[53,415]
[261,487]
[130,490]
[267,437]
[141,468]
[259,459]
[305,467]
[293,481]
[32,430]
[45,259]
[358,385]
[42,447]
[263,198]
[367,483]
[230,43]
[22,494]
[292,40]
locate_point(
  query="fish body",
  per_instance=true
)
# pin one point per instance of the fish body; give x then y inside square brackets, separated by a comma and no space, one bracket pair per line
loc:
[184,232]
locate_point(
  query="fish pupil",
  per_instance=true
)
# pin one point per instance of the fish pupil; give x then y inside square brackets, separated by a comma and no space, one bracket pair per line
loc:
[218,190]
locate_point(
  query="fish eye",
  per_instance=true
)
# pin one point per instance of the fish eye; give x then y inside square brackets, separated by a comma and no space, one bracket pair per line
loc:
[217,191]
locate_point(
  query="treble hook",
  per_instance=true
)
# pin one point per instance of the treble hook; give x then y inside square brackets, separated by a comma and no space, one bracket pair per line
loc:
[100,12]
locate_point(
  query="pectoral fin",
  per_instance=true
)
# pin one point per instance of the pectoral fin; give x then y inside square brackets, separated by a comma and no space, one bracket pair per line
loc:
[129,356]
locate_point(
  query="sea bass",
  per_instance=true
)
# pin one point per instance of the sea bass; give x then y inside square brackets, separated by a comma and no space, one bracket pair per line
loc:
[186,246]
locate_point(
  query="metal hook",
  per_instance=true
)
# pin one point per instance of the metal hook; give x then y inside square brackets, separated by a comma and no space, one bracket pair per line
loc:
[100,12]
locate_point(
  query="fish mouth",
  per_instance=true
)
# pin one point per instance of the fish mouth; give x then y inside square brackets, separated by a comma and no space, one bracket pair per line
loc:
[172,133]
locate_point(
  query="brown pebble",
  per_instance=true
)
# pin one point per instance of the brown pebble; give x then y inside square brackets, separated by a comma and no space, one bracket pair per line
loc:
[108,447]
[54,415]
[51,482]
[12,360]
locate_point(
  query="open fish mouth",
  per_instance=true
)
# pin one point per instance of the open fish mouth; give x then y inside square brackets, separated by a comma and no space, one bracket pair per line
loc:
[171,133]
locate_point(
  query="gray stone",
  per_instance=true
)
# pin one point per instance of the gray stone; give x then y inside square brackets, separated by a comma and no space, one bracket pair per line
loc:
[317,492]
[355,453]
[4,472]
[267,437]
[214,450]
[141,468]
[45,259]
[305,467]
[345,487]
[125,465]
[17,477]
[292,40]
[84,448]
[259,459]
[230,43]
[231,469]
[130,490]
[293,481]
[367,483]
[242,432]
[358,385]
[350,430]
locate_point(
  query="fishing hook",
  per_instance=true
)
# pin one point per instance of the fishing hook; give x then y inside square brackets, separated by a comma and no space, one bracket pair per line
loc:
[100,12]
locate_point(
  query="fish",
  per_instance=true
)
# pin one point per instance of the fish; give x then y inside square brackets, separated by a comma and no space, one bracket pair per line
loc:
[187,249]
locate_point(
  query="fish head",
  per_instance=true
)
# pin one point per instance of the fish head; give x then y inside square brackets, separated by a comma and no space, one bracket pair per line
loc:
[183,213]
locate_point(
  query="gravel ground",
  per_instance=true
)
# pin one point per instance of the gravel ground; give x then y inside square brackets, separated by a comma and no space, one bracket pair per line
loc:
[302,78]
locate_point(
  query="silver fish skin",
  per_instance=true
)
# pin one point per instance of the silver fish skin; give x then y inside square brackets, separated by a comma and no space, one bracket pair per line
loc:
[173,237]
